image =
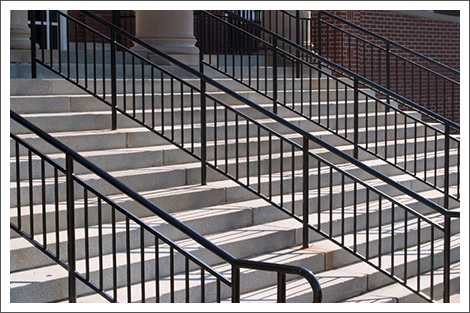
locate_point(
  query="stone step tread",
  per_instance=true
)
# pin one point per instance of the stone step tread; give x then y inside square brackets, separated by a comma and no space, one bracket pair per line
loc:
[325,276]
[396,293]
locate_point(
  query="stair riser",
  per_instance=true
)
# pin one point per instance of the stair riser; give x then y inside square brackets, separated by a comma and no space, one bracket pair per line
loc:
[280,240]
[377,280]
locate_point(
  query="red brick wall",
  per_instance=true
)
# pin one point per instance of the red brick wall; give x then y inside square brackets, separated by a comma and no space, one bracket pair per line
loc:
[126,20]
[437,39]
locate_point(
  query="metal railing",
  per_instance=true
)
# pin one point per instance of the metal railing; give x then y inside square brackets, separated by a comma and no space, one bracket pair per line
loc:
[284,171]
[364,119]
[395,67]
[87,210]
[406,72]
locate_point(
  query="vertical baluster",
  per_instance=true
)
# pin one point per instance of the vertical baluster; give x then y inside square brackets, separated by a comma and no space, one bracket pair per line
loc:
[396,140]
[405,263]
[143,90]
[128,261]
[152,94]
[113,81]
[432,264]
[343,195]
[305,188]
[172,107]
[331,203]
[87,233]
[193,140]
[327,102]
[124,82]
[133,86]
[18,183]
[380,232]
[172,275]
[293,178]
[355,216]
[248,154]
[182,114]
[186,276]
[281,287]
[59,40]
[235,284]
[425,152]
[51,60]
[56,202]
[415,148]
[100,244]
[367,224]
[237,148]
[70,229]
[43,194]
[114,243]
[270,168]
[281,171]
[76,53]
[319,194]
[393,239]
[162,104]
[103,66]
[85,55]
[95,74]
[203,286]
[215,134]
[142,263]
[157,271]
[418,267]
[226,139]
[31,194]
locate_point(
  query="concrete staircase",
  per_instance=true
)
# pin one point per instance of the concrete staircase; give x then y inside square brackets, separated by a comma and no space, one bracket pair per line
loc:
[227,214]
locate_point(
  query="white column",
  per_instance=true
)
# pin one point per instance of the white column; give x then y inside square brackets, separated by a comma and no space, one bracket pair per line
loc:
[168,31]
[20,44]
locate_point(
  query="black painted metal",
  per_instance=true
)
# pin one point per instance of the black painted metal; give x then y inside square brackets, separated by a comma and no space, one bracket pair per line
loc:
[73,181]
[435,85]
[286,49]
[231,126]
[278,47]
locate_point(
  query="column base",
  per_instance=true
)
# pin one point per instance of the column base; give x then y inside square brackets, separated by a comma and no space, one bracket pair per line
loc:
[188,59]
[20,56]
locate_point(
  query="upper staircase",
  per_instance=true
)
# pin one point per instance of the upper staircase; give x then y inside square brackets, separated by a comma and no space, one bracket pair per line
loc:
[226,213]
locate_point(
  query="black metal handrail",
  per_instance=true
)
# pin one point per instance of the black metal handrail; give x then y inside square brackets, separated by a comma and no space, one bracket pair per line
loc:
[292,55]
[407,72]
[238,161]
[70,263]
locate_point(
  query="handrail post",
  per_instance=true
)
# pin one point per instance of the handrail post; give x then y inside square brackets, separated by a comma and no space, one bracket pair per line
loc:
[447,242]
[235,284]
[275,75]
[113,82]
[33,45]
[281,287]
[305,200]
[201,39]
[70,230]
[356,118]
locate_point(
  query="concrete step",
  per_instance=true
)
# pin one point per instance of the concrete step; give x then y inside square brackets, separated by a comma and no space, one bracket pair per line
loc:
[395,293]
[227,214]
